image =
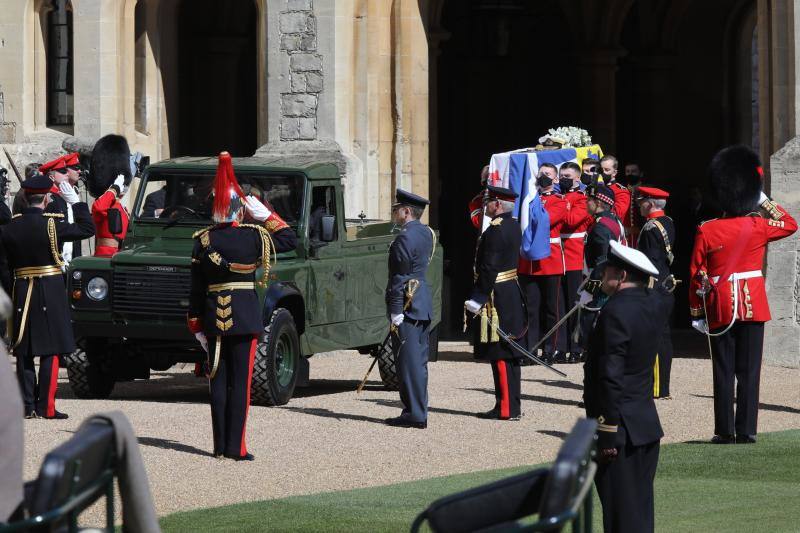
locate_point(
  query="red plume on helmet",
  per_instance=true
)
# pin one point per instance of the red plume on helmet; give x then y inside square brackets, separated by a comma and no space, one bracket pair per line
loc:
[225,187]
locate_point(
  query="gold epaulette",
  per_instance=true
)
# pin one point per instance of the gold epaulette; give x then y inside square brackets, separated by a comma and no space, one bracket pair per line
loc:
[54,215]
[496,222]
[202,234]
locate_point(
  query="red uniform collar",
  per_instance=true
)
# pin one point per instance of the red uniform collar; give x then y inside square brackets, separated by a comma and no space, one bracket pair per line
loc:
[655,214]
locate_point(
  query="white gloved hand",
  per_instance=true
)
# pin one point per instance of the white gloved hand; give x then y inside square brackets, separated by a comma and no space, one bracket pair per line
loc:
[119,183]
[256,209]
[398,319]
[201,338]
[473,306]
[700,325]
[68,193]
[762,198]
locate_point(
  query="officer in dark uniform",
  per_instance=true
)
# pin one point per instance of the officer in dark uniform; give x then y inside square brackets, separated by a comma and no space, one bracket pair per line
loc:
[31,270]
[410,308]
[656,240]
[224,311]
[618,391]
[607,227]
[65,172]
[497,300]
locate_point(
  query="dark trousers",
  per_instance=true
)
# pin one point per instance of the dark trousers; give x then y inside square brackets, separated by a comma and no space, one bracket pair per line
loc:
[737,355]
[230,392]
[41,396]
[507,378]
[663,367]
[410,345]
[545,308]
[625,487]
[572,281]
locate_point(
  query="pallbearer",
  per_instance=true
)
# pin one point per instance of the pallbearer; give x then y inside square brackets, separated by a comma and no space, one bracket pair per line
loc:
[224,310]
[496,301]
[727,292]
[657,241]
[31,268]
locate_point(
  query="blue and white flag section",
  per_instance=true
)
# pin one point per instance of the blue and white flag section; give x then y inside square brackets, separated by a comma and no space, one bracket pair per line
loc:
[517,171]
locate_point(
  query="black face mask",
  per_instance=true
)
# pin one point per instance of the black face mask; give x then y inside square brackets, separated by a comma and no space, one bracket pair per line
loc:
[544,181]
[565,184]
[587,179]
[634,179]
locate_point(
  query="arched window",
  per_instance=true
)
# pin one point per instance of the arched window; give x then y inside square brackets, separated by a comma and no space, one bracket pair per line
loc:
[60,99]
[140,65]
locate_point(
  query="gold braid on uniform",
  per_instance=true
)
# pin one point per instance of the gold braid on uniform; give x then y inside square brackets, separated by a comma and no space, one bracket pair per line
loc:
[51,234]
[266,251]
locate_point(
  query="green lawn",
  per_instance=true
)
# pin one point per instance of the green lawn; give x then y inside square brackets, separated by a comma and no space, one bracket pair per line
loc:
[699,487]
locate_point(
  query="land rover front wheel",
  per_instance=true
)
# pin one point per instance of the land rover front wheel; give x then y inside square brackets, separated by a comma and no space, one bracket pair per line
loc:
[387,366]
[277,361]
[87,370]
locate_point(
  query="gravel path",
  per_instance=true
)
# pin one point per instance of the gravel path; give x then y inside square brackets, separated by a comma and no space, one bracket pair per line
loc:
[328,438]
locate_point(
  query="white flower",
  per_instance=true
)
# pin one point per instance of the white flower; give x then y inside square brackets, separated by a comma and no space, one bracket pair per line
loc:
[569,136]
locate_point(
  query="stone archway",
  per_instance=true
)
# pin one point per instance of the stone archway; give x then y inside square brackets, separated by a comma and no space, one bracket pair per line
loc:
[217,86]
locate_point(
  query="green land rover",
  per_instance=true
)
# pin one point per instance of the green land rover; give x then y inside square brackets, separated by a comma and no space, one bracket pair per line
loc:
[129,311]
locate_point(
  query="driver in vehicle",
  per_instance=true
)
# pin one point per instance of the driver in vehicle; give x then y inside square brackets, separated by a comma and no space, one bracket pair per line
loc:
[224,310]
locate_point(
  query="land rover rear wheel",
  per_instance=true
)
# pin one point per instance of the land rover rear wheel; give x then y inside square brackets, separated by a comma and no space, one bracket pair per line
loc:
[87,370]
[387,366]
[277,361]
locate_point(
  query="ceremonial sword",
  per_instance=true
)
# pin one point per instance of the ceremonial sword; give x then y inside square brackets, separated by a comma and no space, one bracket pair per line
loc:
[413,285]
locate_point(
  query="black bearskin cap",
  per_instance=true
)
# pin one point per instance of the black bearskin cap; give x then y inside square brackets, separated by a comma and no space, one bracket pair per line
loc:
[736,180]
[111,157]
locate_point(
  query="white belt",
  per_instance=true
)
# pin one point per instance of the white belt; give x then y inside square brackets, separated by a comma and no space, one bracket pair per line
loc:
[555,240]
[580,235]
[741,275]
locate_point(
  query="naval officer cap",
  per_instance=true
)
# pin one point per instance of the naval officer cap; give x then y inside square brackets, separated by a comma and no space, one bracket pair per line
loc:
[627,258]
[500,193]
[409,199]
[37,184]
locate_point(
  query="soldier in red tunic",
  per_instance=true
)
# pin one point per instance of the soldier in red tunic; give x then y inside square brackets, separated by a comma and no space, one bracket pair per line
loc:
[109,180]
[541,280]
[727,294]
[622,196]
[577,222]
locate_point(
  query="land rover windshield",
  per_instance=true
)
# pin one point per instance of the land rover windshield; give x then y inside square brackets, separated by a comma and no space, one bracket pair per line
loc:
[185,198]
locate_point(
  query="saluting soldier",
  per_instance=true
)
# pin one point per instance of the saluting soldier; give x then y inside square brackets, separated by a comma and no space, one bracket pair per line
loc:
[618,391]
[656,240]
[64,171]
[727,293]
[224,310]
[31,268]
[410,308]
[497,301]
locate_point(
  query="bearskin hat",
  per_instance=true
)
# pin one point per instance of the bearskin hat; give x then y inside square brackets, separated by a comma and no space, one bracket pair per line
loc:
[111,157]
[736,180]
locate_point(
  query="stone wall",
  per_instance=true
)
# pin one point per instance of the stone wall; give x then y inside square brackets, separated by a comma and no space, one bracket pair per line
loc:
[298,39]
[782,333]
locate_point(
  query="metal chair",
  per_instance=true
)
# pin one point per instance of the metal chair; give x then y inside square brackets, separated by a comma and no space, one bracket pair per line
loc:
[73,476]
[559,495]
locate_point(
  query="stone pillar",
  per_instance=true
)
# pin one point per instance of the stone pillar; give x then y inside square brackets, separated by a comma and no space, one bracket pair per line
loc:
[782,333]
[597,69]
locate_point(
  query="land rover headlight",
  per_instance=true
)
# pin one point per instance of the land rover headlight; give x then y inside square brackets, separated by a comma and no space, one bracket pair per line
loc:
[97,289]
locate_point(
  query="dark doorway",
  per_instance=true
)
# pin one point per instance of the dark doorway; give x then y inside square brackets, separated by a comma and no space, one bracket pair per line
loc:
[217,70]
[505,77]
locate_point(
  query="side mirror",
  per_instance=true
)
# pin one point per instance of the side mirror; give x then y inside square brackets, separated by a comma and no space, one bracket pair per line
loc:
[328,232]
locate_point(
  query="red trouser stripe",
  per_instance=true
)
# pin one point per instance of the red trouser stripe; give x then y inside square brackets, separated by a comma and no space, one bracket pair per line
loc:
[243,450]
[505,403]
[51,392]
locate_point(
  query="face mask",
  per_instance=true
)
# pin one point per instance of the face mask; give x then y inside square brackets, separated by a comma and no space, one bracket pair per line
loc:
[634,179]
[544,181]
[586,179]
[565,184]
